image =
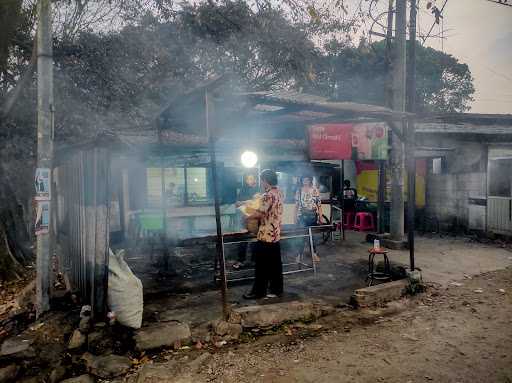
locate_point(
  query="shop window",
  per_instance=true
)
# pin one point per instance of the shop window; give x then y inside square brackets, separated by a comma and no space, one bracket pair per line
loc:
[187,186]
[197,186]
[500,178]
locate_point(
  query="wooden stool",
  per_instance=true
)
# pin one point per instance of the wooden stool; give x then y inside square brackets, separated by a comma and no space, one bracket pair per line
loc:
[378,275]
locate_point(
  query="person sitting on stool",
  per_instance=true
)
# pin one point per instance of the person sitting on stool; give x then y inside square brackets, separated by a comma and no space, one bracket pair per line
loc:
[268,270]
[349,197]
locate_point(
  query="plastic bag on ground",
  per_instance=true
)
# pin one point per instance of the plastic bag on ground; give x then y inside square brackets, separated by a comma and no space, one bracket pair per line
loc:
[125,295]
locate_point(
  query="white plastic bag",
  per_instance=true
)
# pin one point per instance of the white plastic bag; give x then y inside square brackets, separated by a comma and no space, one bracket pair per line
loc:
[125,297]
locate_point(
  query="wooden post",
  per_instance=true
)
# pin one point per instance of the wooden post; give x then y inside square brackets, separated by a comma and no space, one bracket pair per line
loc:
[210,132]
[44,142]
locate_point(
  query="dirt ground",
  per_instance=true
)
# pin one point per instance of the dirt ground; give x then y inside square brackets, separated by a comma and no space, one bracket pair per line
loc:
[342,269]
[458,333]
[460,330]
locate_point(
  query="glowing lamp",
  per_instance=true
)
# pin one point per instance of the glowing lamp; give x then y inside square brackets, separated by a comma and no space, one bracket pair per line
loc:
[249,159]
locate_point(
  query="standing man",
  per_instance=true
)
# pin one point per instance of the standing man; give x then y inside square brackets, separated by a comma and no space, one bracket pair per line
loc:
[268,271]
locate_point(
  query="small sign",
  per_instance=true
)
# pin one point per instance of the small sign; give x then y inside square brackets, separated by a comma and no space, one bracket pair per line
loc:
[42,217]
[42,184]
[330,142]
[362,141]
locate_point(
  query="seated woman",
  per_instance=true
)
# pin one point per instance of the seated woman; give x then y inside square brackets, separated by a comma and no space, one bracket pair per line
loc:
[308,208]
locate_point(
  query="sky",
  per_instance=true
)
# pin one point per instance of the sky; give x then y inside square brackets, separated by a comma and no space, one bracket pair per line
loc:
[479,33]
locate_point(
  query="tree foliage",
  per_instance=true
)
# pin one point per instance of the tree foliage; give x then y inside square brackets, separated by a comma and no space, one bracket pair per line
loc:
[359,74]
[128,76]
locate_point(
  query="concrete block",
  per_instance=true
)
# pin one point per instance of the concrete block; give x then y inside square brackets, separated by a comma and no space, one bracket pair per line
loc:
[161,335]
[394,245]
[378,294]
[276,314]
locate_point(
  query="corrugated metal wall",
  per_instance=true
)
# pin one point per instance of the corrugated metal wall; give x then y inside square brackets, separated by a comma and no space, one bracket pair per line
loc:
[83,202]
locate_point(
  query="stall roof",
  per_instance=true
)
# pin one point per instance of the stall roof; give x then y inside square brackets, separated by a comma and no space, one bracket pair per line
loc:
[293,102]
[464,128]
[291,110]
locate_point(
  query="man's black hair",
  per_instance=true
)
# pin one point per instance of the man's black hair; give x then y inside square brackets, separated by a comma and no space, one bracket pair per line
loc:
[346,183]
[269,176]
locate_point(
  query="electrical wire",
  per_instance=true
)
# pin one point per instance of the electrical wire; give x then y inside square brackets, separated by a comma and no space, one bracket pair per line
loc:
[501,2]
[434,23]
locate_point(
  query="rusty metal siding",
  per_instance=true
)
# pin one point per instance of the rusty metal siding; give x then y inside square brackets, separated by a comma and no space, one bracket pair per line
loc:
[83,225]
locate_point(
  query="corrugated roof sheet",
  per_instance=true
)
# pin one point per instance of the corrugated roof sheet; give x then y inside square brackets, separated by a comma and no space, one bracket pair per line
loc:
[317,103]
[463,128]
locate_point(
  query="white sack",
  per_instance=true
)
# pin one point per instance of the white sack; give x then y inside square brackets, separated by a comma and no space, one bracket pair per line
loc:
[124,291]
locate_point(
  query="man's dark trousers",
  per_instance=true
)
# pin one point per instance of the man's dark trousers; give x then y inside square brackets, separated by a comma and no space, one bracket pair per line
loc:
[268,271]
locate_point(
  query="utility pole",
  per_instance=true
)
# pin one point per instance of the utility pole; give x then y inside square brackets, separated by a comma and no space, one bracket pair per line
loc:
[410,139]
[388,92]
[44,145]
[397,147]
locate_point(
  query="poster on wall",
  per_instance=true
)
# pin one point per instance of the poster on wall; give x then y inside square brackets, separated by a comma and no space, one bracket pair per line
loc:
[42,217]
[367,180]
[42,184]
[348,141]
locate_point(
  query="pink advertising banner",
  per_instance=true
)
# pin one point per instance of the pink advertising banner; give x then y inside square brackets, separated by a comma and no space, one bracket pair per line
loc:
[362,141]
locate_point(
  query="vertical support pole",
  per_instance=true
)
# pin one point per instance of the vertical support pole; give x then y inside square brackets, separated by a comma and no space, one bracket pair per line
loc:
[411,191]
[125,202]
[163,201]
[219,245]
[389,103]
[44,141]
[410,141]
[185,176]
[102,195]
[397,152]
[381,197]
[342,186]
[311,248]
[487,188]
[163,235]
[389,37]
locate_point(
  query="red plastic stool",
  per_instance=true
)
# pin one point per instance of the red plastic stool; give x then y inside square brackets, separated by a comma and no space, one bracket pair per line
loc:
[364,222]
[348,220]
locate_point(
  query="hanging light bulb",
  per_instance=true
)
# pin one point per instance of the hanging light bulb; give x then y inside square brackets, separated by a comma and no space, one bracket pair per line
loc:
[249,159]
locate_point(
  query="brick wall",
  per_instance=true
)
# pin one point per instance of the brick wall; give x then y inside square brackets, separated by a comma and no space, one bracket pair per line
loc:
[450,194]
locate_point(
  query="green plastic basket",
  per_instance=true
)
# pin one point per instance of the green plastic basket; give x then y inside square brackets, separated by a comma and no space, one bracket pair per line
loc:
[151,221]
